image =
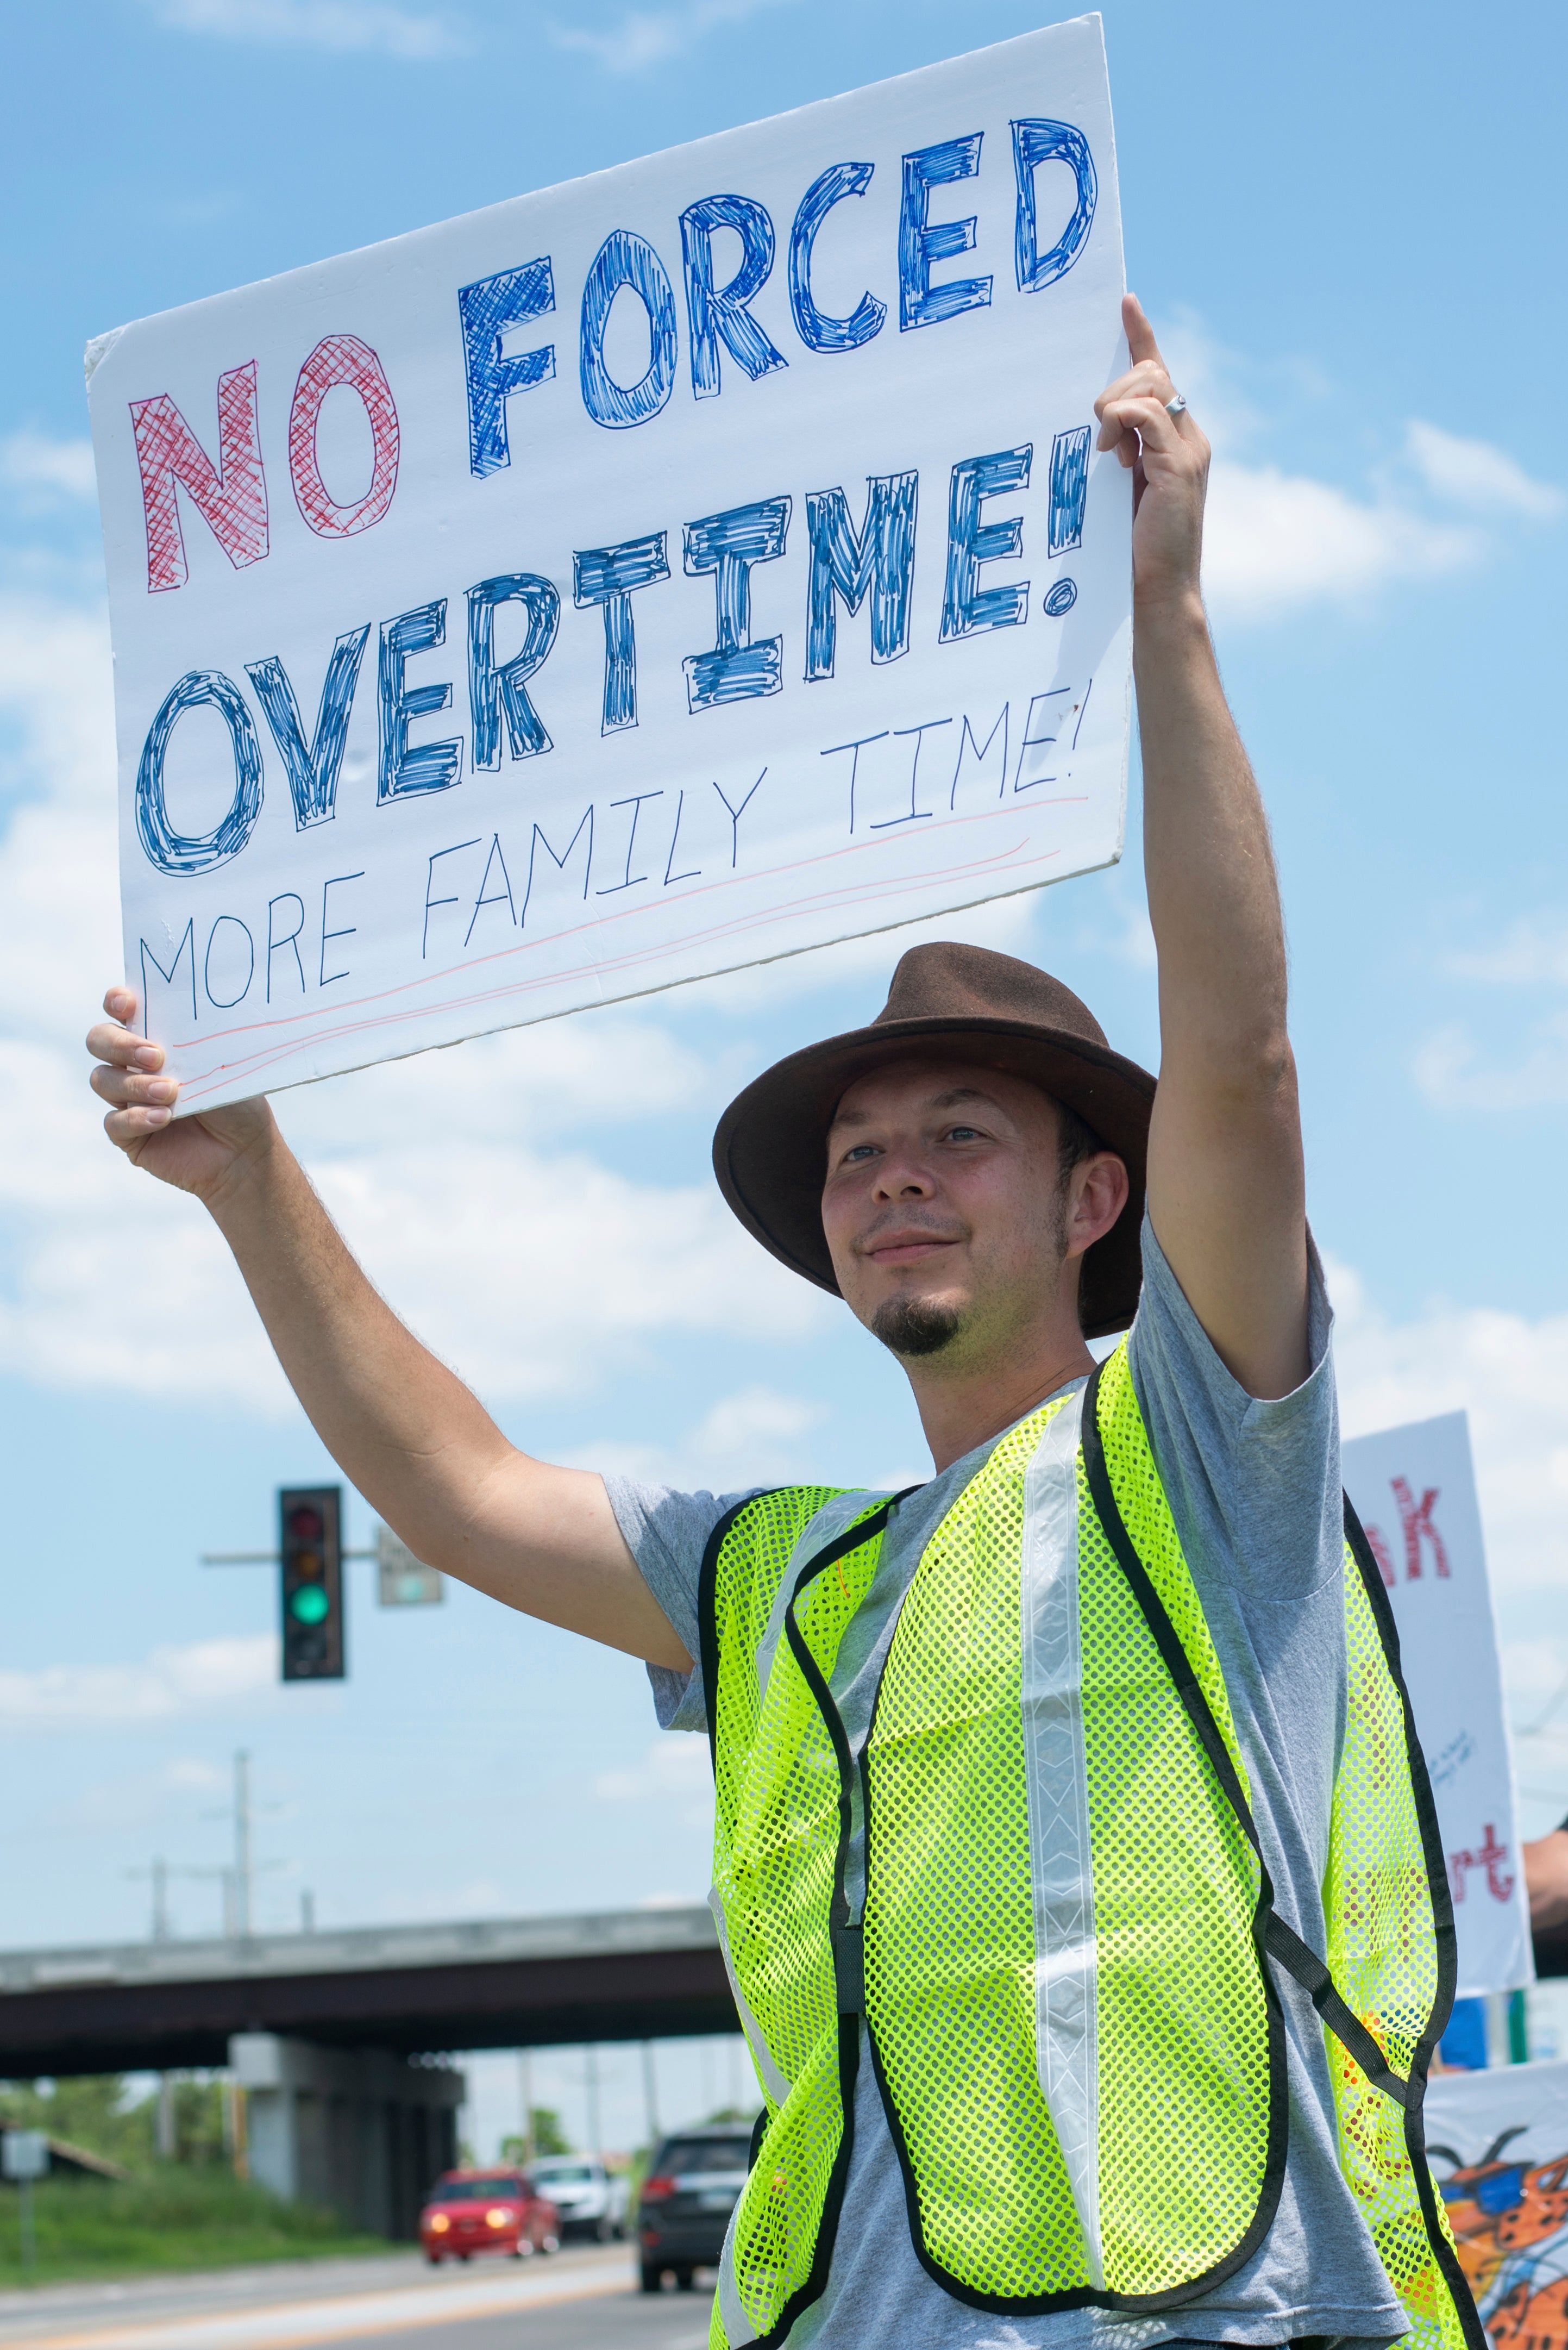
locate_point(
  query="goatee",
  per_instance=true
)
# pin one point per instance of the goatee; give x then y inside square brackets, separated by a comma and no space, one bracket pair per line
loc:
[910,1326]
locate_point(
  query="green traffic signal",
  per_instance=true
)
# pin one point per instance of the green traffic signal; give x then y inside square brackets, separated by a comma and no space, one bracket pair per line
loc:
[310,1520]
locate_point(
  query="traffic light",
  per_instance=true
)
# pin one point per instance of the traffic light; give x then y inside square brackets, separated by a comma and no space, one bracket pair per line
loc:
[310,1544]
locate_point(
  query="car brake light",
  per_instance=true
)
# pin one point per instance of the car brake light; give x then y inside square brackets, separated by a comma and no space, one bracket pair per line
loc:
[654,2190]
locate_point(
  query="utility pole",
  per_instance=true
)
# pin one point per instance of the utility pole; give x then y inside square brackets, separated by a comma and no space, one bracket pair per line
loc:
[308,1913]
[591,2078]
[525,2090]
[649,2096]
[242,1919]
[159,1874]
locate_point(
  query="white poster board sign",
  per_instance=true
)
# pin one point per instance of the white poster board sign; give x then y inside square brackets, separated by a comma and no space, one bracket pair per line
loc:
[1414,1491]
[677,569]
[1498,2149]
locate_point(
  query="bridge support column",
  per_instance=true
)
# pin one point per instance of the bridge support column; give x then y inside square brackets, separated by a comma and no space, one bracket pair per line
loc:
[358,2130]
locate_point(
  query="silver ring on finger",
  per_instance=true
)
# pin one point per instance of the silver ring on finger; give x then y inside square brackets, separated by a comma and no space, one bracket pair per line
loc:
[1176,406]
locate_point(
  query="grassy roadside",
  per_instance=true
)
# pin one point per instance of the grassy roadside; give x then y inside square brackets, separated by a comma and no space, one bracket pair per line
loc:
[90,2229]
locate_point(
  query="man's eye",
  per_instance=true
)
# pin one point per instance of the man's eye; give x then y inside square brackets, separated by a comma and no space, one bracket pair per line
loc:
[861,1150]
[963,1134]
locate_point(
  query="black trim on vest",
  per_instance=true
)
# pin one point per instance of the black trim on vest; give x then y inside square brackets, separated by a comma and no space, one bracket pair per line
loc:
[1447,1938]
[1176,1659]
[848,2024]
[708,1619]
[1280,1940]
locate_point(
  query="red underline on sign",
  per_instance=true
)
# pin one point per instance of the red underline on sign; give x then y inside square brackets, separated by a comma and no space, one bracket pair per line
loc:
[245,1065]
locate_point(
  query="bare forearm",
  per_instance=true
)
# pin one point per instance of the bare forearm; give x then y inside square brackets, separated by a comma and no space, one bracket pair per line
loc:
[410,1436]
[1213,899]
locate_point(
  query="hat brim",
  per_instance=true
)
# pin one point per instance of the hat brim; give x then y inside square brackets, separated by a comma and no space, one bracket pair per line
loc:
[768,1150]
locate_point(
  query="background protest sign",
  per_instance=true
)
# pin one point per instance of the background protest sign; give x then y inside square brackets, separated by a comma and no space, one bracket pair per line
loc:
[1414,1491]
[673,569]
[1499,2147]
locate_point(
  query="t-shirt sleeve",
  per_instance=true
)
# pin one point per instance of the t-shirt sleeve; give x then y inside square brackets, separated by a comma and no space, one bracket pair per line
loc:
[1256,1480]
[667,1533]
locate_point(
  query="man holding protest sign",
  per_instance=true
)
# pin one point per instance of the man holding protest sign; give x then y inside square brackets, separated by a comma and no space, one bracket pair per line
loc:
[1041,1790]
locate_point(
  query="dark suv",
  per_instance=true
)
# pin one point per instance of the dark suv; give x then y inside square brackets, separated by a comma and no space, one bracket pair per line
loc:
[687,2198]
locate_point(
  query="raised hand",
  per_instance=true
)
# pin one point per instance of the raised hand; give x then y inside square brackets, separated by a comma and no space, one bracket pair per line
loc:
[1168,458]
[199,1154]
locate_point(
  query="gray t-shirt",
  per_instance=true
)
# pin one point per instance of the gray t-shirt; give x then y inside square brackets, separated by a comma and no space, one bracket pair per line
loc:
[1254,1488]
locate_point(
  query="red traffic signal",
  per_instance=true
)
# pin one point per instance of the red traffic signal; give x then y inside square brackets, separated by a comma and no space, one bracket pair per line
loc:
[310,1522]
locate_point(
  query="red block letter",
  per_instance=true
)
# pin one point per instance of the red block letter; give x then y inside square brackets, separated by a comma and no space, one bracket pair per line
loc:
[342,359]
[231,500]
[1416,1521]
[1380,1550]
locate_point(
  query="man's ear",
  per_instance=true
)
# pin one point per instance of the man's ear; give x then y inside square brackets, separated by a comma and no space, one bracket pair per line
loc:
[1100,1191]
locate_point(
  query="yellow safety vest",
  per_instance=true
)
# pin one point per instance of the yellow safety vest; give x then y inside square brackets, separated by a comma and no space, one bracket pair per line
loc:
[1063,1961]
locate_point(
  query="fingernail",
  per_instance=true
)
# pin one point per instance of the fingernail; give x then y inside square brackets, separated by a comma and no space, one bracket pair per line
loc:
[161,1090]
[159,1117]
[146,1056]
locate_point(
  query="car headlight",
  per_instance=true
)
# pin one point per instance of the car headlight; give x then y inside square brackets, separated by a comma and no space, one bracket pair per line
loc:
[499,2217]
[439,2223]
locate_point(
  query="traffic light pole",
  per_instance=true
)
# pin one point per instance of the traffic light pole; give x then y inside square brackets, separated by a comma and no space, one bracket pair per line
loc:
[311,1555]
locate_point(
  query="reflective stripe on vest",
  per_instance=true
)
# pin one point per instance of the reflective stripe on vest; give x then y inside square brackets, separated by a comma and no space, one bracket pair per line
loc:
[1061,1962]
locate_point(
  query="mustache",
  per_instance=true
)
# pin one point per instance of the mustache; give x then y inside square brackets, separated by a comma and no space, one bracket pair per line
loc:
[907,1226]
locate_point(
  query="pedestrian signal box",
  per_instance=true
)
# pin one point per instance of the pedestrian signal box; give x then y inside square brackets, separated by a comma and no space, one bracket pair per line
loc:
[310,1545]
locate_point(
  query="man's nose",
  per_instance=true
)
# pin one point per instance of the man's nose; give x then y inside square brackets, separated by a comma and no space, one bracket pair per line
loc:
[902,1178]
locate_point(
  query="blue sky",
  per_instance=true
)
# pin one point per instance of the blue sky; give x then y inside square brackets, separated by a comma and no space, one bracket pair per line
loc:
[1346,222]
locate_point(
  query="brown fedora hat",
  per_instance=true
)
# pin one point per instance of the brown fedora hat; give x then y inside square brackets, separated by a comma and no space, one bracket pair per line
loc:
[768,1151]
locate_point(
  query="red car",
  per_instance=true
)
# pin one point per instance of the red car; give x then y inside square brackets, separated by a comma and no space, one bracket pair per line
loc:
[469,2211]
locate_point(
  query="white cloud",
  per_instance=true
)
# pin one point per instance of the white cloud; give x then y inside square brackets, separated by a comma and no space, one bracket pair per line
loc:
[1451,1067]
[206,1676]
[1473,474]
[647,37]
[28,461]
[674,1769]
[752,1437]
[1275,541]
[345,26]
[1454,1073]
[1510,1373]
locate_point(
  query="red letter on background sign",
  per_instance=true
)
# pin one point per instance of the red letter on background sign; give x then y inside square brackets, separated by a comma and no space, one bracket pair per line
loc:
[342,359]
[231,499]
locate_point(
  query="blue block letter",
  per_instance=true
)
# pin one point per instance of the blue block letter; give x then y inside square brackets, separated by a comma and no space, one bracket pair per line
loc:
[624,259]
[719,312]
[610,576]
[966,608]
[921,304]
[178,852]
[879,556]
[1034,144]
[312,769]
[491,690]
[728,544]
[433,766]
[1069,488]
[817,330]
[488,309]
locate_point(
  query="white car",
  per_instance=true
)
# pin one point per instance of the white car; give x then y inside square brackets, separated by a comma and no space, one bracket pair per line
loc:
[590,2199]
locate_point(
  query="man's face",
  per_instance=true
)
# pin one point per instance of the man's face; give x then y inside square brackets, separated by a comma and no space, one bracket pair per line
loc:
[943,1205]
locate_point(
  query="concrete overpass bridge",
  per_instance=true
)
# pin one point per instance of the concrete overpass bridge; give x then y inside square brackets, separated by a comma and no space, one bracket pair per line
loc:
[410,1991]
[336,2038]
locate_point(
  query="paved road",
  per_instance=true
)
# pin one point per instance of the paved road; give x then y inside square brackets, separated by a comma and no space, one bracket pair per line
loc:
[576,2301]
